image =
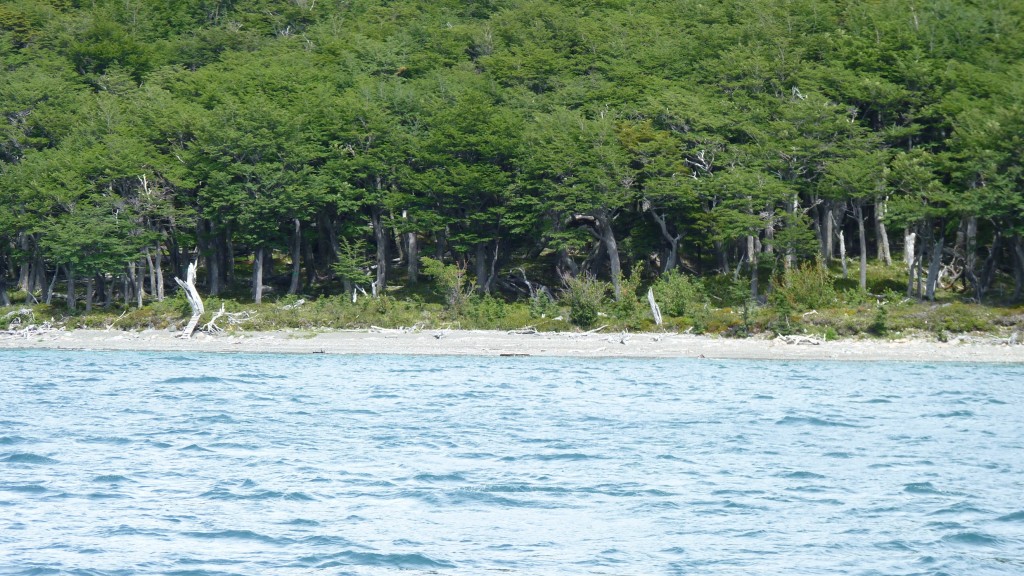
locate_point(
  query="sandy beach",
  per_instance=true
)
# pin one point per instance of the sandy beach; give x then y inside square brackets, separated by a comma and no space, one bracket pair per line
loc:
[512,344]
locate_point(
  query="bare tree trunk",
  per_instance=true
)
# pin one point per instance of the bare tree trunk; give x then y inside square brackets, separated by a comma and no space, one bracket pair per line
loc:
[722,255]
[858,211]
[413,255]
[909,258]
[296,282]
[189,286]
[672,260]
[25,276]
[934,265]
[380,235]
[158,258]
[988,273]
[842,253]
[140,282]
[604,229]
[257,276]
[152,272]
[752,259]
[971,256]
[49,287]
[883,237]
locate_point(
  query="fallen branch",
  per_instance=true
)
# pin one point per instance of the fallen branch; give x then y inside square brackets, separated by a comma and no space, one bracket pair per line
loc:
[798,340]
[655,310]
[189,286]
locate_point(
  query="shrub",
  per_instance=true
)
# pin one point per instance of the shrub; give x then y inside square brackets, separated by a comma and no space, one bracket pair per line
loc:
[453,282]
[806,287]
[585,295]
[679,295]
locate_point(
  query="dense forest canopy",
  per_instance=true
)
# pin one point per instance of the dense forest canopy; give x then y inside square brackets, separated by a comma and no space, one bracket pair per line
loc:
[324,145]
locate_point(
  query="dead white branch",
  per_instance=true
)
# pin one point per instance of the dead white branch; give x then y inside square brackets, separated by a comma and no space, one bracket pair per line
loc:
[189,286]
[655,310]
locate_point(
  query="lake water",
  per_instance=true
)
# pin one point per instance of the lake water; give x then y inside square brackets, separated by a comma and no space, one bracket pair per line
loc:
[146,463]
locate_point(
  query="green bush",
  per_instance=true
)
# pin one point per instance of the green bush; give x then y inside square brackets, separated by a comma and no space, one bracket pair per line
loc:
[806,287]
[453,282]
[959,318]
[585,296]
[680,295]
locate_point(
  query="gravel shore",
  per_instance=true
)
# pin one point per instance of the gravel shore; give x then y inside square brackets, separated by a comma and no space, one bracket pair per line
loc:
[495,343]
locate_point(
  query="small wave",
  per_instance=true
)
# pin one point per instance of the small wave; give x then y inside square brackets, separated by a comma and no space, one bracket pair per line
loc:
[233,535]
[1012,517]
[401,561]
[973,539]
[191,380]
[195,448]
[813,421]
[115,440]
[959,508]
[37,571]
[10,440]
[431,478]
[920,488]
[27,458]
[23,488]
[562,456]
[955,414]
[216,419]
[802,475]
[897,545]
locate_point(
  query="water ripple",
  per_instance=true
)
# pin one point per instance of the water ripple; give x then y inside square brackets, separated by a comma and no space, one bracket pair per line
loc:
[233,464]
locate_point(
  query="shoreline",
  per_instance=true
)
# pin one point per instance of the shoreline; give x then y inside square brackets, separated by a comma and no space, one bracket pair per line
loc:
[515,344]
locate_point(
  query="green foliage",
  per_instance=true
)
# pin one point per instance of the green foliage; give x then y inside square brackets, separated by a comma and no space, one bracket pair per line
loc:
[880,323]
[958,318]
[512,134]
[352,264]
[585,296]
[806,287]
[452,281]
[679,294]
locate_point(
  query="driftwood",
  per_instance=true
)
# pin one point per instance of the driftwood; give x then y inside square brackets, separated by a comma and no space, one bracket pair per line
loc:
[797,339]
[189,286]
[655,310]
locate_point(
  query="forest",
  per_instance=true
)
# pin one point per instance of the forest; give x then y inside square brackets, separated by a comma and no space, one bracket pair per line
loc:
[768,158]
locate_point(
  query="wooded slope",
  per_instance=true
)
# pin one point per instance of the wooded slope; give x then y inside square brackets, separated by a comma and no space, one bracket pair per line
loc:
[526,141]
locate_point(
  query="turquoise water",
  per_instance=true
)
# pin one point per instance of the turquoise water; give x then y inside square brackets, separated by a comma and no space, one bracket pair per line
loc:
[146,463]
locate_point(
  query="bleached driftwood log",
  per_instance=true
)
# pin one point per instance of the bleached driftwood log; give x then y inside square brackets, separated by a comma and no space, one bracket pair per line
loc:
[655,310]
[189,286]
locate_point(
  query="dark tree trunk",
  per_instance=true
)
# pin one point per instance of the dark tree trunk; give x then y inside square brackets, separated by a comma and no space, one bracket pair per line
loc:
[296,283]
[604,229]
[70,273]
[380,236]
[884,254]
[858,212]
[412,251]
[480,263]
[88,294]
[1018,266]
[140,283]
[988,273]
[934,266]
[209,246]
